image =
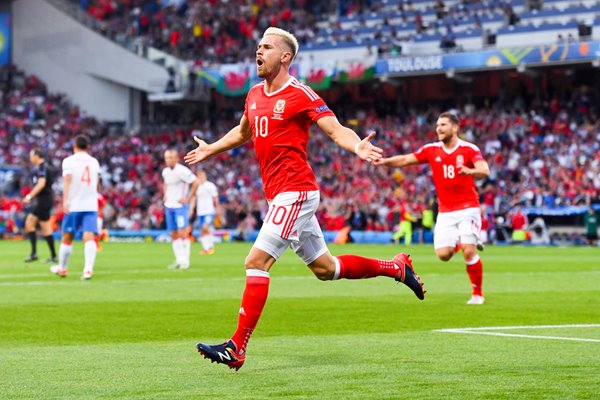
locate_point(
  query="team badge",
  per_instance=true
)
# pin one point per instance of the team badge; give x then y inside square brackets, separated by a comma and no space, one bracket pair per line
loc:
[279,107]
[278,110]
[460,160]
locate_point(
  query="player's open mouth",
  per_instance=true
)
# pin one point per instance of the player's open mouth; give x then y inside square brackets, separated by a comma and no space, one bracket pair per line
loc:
[259,62]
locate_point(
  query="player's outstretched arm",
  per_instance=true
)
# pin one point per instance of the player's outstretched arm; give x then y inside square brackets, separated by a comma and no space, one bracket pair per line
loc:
[192,196]
[402,160]
[232,139]
[347,139]
[481,170]
[192,205]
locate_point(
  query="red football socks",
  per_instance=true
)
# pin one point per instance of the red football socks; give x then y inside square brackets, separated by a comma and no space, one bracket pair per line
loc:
[475,271]
[356,267]
[253,302]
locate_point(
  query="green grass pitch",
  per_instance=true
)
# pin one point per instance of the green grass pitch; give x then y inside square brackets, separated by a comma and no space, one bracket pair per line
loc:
[130,332]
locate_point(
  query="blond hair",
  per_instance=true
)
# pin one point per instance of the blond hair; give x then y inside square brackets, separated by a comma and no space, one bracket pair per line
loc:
[288,37]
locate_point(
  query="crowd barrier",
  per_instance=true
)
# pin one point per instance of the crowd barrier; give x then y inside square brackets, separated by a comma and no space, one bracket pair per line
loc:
[231,235]
[565,211]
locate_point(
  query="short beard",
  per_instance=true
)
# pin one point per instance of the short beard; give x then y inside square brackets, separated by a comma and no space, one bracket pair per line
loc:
[270,73]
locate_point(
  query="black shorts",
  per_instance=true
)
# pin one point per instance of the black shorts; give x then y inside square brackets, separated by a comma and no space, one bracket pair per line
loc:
[42,208]
[592,236]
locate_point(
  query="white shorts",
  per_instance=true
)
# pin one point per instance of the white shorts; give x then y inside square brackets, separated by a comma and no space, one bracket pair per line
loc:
[454,227]
[291,222]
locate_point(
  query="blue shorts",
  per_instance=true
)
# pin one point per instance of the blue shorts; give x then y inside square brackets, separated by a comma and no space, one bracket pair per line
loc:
[87,221]
[207,219]
[177,218]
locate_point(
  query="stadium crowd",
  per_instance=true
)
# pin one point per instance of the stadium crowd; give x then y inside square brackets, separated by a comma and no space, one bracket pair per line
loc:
[219,31]
[542,154]
[226,31]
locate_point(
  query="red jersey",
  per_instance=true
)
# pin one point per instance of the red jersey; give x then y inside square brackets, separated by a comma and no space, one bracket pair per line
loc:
[280,123]
[518,221]
[101,204]
[454,191]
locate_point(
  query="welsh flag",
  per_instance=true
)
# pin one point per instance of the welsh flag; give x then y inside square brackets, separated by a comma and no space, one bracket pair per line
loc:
[317,75]
[318,79]
[234,79]
[355,71]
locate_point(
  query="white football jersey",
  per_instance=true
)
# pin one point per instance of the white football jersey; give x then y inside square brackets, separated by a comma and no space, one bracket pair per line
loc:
[177,184]
[84,170]
[205,194]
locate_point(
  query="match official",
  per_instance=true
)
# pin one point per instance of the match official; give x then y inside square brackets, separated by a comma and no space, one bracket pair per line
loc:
[42,200]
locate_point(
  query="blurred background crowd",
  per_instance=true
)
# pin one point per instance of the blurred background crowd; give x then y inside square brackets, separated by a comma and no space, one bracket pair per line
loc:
[541,153]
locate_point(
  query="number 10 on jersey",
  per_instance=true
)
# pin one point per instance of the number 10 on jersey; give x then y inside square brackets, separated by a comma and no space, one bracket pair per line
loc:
[261,126]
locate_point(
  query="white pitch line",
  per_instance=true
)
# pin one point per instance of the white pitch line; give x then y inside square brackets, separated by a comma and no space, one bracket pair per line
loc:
[499,328]
[486,331]
[526,336]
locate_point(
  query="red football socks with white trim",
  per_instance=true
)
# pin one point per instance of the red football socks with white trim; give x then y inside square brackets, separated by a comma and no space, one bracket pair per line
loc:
[475,271]
[357,267]
[253,302]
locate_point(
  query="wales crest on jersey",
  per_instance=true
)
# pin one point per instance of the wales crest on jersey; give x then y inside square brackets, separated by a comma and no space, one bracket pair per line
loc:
[278,110]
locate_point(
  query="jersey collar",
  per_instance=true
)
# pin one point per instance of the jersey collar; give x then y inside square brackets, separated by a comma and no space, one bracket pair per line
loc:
[278,90]
[452,149]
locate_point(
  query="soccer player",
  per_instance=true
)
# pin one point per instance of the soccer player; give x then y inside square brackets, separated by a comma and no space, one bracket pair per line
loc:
[100,235]
[277,116]
[455,164]
[43,178]
[206,202]
[80,204]
[177,197]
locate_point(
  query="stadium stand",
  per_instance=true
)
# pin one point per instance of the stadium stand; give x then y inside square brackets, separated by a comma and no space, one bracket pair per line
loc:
[537,35]
[219,31]
[541,154]
[526,142]
[188,28]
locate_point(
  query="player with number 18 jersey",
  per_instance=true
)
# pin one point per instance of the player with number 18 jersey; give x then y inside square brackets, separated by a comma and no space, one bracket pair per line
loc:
[455,164]
[454,191]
